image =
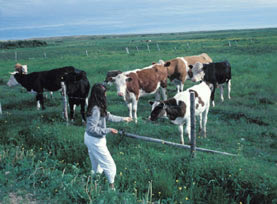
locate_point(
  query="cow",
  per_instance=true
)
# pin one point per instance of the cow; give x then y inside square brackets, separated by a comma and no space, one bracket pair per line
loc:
[77,90]
[178,68]
[45,80]
[131,85]
[177,109]
[216,73]
[23,69]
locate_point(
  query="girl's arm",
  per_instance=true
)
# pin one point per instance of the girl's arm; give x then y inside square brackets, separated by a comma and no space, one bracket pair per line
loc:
[114,118]
[92,127]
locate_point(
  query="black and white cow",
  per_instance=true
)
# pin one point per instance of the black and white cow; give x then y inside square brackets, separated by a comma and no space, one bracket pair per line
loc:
[77,90]
[216,73]
[177,109]
[39,82]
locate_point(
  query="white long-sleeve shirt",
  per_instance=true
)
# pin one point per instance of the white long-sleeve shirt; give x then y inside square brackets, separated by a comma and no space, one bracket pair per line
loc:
[96,125]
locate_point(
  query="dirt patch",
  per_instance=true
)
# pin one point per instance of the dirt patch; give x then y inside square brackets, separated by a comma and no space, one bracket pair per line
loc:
[14,199]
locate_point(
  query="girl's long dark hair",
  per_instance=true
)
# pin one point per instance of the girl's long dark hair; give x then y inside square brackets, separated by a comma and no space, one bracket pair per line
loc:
[97,98]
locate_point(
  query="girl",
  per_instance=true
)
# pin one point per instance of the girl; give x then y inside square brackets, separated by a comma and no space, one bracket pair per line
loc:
[96,130]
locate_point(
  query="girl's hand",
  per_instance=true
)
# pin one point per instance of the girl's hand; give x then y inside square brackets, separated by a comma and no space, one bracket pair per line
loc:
[127,119]
[114,131]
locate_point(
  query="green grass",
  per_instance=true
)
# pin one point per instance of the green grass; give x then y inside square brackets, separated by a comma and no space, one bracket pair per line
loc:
[44,160]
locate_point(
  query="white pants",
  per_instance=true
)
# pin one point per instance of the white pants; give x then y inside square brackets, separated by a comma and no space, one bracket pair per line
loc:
[100,157]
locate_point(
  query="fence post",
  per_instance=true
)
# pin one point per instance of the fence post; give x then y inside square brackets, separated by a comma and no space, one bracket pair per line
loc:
[0,110]
[127,50]
[188,45]
[137,49]
[87,53]
[158,47]
[192,124]
[15,56]
[44,54]
[64,102]
[230,45]
[148,48]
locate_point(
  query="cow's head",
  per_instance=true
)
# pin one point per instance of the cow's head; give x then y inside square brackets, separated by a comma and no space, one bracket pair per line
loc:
[110,77]
[158,110]
[120,82]
[22,69]
[196,72]
[12,81]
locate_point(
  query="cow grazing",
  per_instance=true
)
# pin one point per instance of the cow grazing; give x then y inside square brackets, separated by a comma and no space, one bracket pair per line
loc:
[77,90]
[131,85]
[177,109]
[216,73]
[39,81]
[178,68]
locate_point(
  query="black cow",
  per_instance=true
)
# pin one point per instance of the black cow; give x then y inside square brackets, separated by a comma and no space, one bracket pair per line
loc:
[48,80]
[77,90]
[216,73]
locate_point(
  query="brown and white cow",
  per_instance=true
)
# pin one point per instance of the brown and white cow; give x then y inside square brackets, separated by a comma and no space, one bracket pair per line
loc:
[131,85]
[177,69]
[177,109]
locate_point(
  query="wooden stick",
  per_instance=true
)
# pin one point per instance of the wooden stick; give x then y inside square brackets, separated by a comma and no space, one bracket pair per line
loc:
[0,110]
[150,139]
[64,101]
[192,124]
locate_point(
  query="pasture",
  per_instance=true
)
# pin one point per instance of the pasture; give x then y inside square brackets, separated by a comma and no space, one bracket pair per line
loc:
[44,160]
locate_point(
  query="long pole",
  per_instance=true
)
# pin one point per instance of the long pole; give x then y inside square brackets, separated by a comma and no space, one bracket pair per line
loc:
[192,124]
[64,101]
[150,139]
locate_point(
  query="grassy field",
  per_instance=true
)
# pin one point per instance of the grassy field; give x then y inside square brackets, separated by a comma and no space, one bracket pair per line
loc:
[44,160]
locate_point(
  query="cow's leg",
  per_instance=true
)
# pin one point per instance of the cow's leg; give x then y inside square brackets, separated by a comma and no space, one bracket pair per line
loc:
[40,102]
[205,119]
[87,102]
[212,96]
[181,86]
[188,128]
[51,94]
[178,84]
[163,90]
[200,122]
[72,110]
[181,131]
[38,105]
[135,106]
[157,96]
[229,89]
[129,105]
[221,92]
[83,104]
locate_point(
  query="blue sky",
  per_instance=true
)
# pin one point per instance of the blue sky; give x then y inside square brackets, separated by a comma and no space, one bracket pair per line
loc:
[22,19]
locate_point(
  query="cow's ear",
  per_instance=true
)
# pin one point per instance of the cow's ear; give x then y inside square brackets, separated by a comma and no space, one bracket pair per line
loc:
[190,66]
[167,64]
[129,79]
[151,102]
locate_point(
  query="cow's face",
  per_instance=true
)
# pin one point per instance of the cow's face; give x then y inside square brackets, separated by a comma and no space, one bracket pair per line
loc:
[120,82]
[22,69]
[196,73]
[158,110]
[110,76]
[12,81]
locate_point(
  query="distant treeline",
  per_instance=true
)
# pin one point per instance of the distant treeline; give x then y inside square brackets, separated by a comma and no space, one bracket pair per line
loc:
[21,44]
